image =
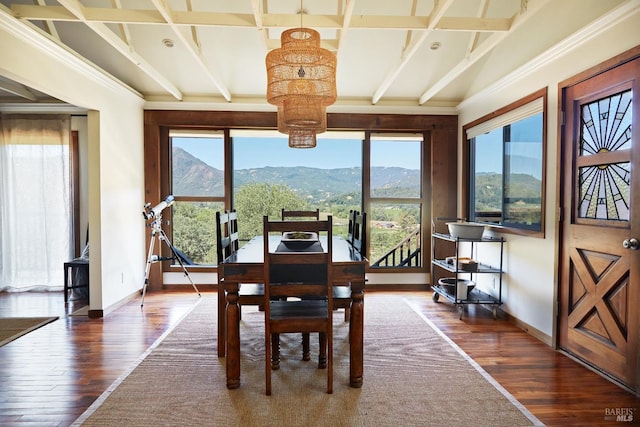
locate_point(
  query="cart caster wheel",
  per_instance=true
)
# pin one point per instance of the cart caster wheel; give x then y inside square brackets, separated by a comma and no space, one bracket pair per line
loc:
[435,297]
[460,312]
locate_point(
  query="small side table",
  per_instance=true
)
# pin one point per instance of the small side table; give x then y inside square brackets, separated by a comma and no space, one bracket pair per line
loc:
[78,263]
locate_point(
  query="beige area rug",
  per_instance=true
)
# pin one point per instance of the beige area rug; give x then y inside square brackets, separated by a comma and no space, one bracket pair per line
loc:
[414,376]
[15,327]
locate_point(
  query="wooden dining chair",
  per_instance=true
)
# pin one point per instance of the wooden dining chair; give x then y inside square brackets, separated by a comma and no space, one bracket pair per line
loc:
[359,240]
[291,214]
[352,220]
[341,294]
[288,214]
[227,243]
[293,274]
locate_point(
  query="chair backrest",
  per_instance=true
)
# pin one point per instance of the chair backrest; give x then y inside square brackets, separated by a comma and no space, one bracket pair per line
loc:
[226,234]
[298,272]
[352,220]
[359,241]
[286,214]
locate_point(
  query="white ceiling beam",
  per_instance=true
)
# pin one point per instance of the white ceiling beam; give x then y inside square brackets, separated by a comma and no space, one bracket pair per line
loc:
[191,46]
[346,22]
[409,36]
[49,25]
[591,31]
[488,25]
[105,15]
[52,47]
[126,50]
[17,89]
[194,29]
[475,37]
[267,20]
[257,16]
[124,29]
[436,14]
[482,50]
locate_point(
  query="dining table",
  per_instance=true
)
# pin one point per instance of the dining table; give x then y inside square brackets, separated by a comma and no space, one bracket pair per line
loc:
[246,265]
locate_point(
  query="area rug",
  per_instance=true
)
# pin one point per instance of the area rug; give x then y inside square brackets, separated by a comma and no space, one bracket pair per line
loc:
[15,327]
[414,376]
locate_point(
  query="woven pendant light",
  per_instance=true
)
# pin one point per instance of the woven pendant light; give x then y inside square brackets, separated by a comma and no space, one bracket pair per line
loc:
[301,81]
[301,136]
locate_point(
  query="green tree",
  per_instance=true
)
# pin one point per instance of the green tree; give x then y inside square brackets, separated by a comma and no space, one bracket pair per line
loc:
[253,201]
[194,232]
[406,221]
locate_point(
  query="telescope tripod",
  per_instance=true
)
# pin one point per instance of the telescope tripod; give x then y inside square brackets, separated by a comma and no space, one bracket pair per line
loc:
[158,234]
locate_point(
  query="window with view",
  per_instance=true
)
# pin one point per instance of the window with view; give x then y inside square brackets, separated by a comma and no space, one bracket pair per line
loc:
[197,184]
[395,196]
[268,176]
[506,165]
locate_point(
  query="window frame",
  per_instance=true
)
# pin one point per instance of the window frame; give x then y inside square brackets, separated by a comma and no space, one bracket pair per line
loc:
[420,199]
[167,185]
[366,201]
[468,157]
[439,156]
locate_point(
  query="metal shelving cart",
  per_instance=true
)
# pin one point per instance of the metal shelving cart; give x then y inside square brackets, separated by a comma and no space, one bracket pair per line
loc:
[475,296]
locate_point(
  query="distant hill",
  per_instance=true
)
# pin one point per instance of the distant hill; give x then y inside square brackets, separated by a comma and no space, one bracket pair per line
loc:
[192,176]
[489,185]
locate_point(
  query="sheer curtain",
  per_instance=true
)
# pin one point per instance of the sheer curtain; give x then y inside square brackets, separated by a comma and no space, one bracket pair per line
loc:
[35,212]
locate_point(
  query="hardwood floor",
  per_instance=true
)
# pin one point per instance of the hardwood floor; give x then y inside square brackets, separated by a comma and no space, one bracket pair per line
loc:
[50,376]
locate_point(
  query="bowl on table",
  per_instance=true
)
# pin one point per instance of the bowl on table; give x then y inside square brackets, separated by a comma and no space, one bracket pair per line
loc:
[299,239]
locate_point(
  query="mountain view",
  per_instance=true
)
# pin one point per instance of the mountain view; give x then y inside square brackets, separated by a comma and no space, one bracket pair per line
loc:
[333,190]
[193,176]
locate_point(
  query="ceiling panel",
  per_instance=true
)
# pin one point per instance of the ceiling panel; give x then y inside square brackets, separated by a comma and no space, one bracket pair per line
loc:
[386,50]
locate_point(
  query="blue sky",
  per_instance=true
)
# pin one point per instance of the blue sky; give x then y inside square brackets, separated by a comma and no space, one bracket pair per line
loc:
[252,152]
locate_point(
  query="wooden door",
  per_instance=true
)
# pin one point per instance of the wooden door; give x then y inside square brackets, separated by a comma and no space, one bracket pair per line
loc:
[600,263]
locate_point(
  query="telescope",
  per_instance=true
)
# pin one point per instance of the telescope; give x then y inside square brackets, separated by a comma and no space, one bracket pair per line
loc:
[155,212]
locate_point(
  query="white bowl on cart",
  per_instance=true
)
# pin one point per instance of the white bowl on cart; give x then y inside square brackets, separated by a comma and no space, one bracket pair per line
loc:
[466,230]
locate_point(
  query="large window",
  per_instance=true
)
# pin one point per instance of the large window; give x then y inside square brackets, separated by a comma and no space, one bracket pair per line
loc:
[266,175]
[506,166]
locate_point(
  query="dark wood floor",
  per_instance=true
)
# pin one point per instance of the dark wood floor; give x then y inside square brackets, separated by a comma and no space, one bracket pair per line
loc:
[50,376]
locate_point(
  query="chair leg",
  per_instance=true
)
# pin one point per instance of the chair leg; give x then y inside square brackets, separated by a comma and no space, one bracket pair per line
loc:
[267,359]
[330,362]
[306,348]
[322,356]
[66,286]
[275,351]
[347,314]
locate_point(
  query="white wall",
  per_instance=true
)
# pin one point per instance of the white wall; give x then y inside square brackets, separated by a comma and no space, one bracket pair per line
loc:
[530,283]
[115,153]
